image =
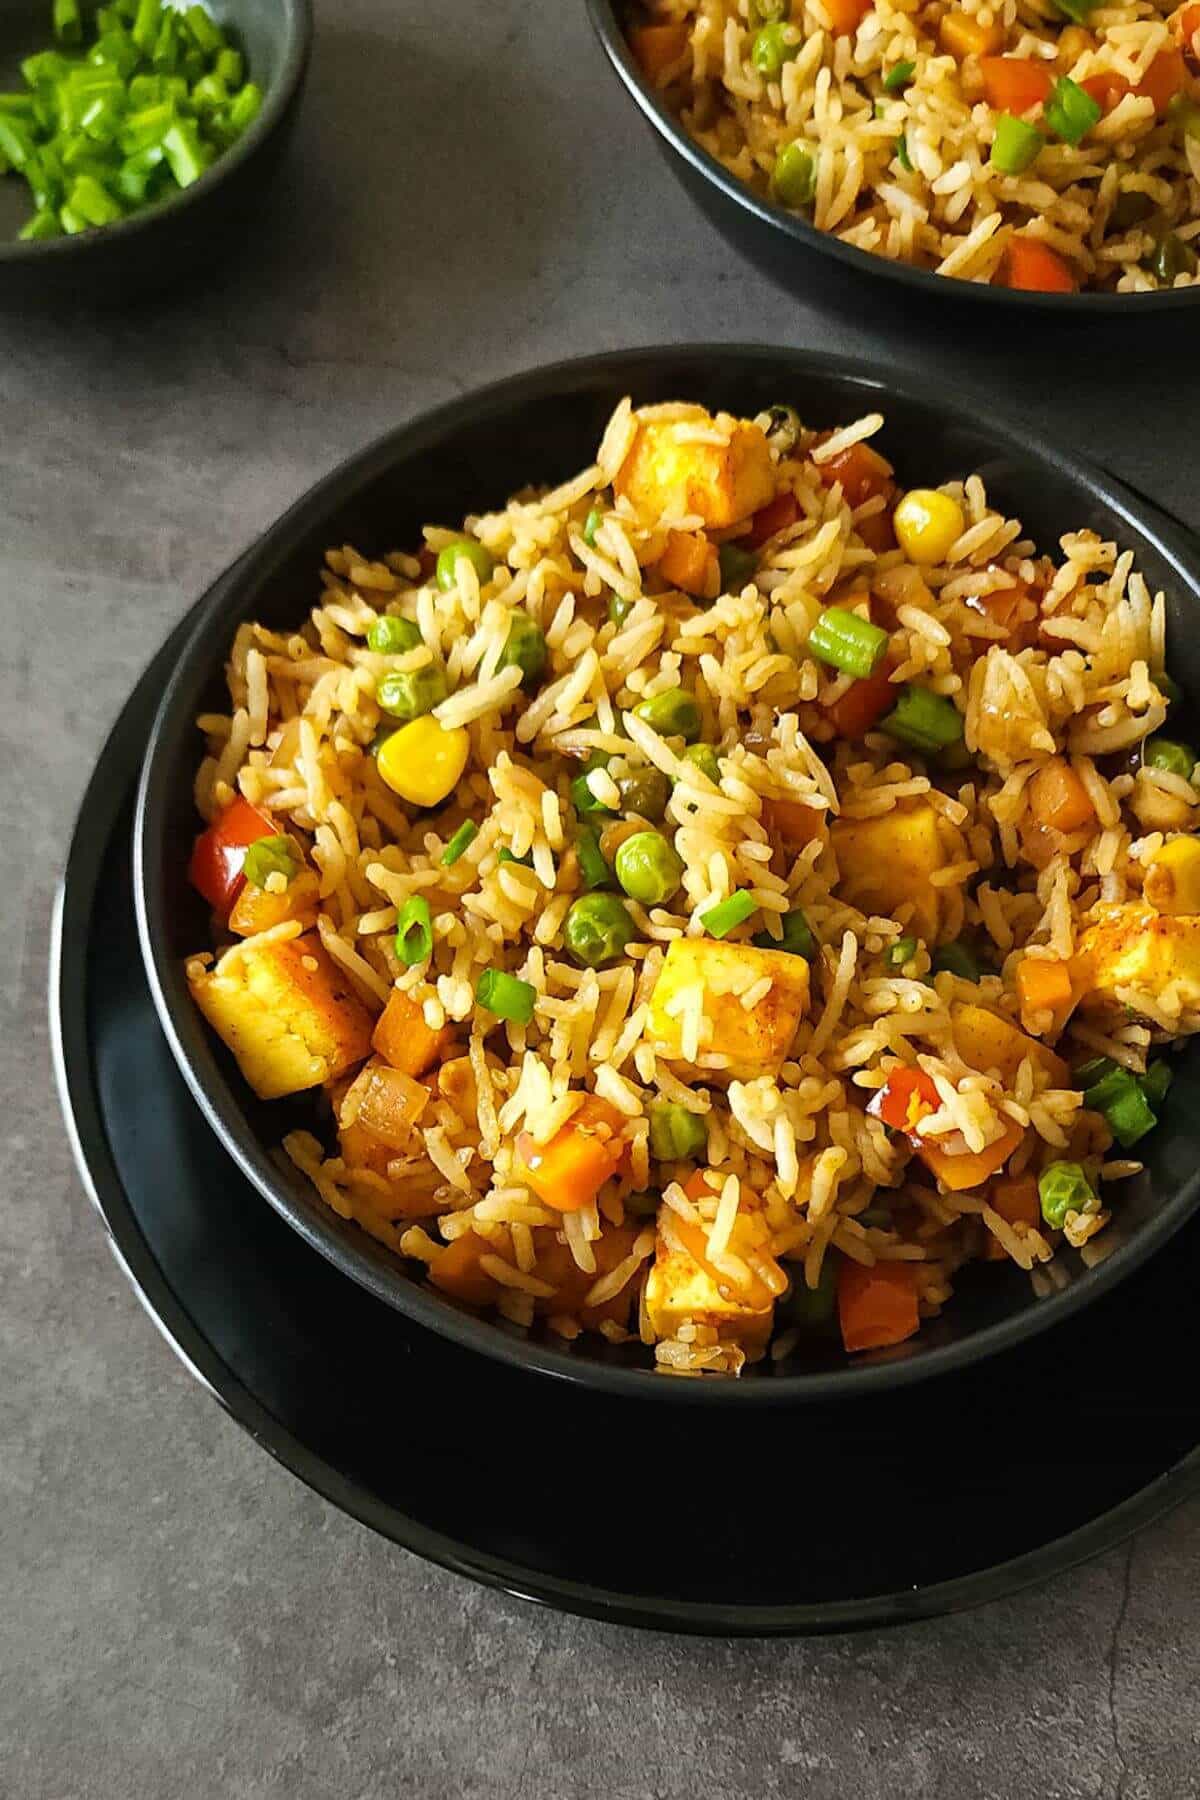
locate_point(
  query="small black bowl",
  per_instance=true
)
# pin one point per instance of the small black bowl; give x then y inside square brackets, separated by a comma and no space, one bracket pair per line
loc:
[469,456]
[783,244]
[150,250]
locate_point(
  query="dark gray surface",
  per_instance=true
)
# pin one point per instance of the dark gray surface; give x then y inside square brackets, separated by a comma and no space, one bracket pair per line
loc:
[470,195]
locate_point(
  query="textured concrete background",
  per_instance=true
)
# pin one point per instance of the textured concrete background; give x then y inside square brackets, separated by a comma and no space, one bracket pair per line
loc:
[470,195]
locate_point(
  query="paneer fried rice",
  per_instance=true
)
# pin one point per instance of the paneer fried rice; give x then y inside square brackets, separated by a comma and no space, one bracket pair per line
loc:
[1039,144]
[715,899]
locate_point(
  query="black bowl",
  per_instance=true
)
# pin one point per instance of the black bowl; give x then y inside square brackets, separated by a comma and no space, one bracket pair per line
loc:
[467,457]
[152,249]
[783,244]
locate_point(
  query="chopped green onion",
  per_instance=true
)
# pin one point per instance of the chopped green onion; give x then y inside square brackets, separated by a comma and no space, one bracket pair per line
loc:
[675,1133]
[902,156]
[505,855]
[146,22]
[737,566]
[590,527]
[955,959]
[928,721]
[459,841]
[244,108]
[414,931]
[1155,1082]
[230,66]
[585,802]
[899,76]
[207,36]
[185,152]
[797,939]
[1062,1188]
[1076,9]
[1174,758]
[794,178]
[1015,145]
[619,608]
[592,866]
[850,643]
[43,225]
[1118,1097]
[68,21]
[720,919]
[506,996]
[1071,111]
[1092,1071]
[901,952]
[814,1309]
[93,202]
[270,856]
[390,635]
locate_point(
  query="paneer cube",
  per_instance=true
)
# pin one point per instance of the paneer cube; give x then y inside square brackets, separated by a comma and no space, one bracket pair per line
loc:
[287,1013]
[685,1284]
[668,474]
[1130,946]
[885,864]
[987,1041]
[702,976]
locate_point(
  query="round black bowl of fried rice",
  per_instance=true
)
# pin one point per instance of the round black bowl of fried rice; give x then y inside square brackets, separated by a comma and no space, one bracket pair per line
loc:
[862,1087]
[866,134]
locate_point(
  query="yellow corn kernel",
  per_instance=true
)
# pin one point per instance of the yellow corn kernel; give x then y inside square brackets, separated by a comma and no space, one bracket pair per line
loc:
[422,763]
[926,524]
[1172,883]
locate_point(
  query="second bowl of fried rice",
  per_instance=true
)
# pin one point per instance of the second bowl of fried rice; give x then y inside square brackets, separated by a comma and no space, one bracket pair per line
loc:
[683,865]
[1032,153]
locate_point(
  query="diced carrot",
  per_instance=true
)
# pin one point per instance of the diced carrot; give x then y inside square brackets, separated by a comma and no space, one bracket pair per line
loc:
[963,35]
[218,853]
[862,705]
[793,824]
[657,47]
[403,1038]
[1058,798]
[690,562]
[1043,986]
[1015,84]
[876,1306]
[457,1271]
[877,532]
[571,1169]
[862,472]
[783,511]
[1163,79]
[970,1168]
[257,909]
[1185,24]
[908,1096]
[1014,609]
[1106,88]
[847,15]
[1032,265]
[1015,1198]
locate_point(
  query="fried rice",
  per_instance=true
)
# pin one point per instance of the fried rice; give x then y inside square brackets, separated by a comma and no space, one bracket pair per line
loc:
[833,1054]
[1028,143]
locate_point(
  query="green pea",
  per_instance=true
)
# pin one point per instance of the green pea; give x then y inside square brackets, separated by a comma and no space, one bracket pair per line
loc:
[408,694]
[645,792]
[705,759]
[771,48]
[673,714]
[648,868]
[619,608]
[597,929]
[525,649]
[794,180]
[814,1309]
[676,1133]
[1175,759]
[392,636]
[448,559]
[737,566]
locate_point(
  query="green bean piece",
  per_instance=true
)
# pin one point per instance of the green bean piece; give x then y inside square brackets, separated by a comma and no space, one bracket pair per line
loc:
[797,937]
[596,930]
[848,642]
[592,866]
[721,919]
[927,721]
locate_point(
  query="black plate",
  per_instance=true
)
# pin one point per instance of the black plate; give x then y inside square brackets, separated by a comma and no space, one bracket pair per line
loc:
[151,249]
[460,459]
[814,1518]
[787,247]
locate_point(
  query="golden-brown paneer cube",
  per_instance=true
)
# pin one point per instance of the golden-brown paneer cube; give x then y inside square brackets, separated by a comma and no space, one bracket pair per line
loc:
[713,977]
[668,474]
[1131,946]
[289,1016]
[987,1041]
[684,1283]
[885,864]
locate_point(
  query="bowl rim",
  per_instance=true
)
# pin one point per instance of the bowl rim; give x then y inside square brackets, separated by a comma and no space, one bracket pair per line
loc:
[606,23]
[298,24]
[371,1265]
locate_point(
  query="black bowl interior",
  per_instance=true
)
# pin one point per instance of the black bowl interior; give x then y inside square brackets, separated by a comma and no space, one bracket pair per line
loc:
[274,35]
[468,456]
[787,247]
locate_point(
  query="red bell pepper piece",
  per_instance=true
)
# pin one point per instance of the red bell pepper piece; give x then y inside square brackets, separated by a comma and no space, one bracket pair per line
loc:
[908,1096]
[217,858]
[781,512]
